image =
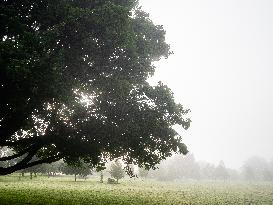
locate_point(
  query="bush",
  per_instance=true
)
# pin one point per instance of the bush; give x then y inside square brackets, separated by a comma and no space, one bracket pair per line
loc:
[111,181]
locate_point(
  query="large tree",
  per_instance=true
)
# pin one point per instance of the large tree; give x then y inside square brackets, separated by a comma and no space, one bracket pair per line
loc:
[73,84]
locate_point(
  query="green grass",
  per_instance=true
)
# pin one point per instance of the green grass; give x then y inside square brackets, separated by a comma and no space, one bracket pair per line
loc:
[63,190]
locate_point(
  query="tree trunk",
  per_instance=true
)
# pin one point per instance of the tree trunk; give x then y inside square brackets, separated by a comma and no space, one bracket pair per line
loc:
[75,177]
[30,175]
[101,177]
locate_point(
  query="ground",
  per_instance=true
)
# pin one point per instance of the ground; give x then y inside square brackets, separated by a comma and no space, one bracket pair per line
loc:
[63,190]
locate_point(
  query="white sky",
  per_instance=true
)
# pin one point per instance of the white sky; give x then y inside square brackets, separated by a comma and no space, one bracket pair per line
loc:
[222,70]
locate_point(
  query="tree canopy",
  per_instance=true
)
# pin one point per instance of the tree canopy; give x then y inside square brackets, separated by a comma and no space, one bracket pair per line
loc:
[73,84]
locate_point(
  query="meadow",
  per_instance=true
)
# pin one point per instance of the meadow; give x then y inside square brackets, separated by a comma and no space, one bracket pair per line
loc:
[63,190]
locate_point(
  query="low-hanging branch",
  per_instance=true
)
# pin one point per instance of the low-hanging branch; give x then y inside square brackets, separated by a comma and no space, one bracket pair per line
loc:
[19,154]
[26,162]
[20,165]
[46,160]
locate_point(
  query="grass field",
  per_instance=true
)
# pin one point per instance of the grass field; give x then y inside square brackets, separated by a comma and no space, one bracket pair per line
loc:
[63,190]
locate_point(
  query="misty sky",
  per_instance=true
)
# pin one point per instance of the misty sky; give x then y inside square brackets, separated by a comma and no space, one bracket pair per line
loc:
[222,70]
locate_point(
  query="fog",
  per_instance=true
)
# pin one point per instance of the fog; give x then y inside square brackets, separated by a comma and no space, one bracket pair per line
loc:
[221,69]
[180,168]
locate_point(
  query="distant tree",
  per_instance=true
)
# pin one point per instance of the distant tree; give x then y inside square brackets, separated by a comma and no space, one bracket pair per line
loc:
[32,170]
[267,174]
[51,169]
[271,163]
[257,168]
[73,84]
[116,171]
[221,171]
[183,167]
[271,168]
[191,167]
[162,171]
[249,172]
[207,170]
[142,172]
[81,169]
[233,174]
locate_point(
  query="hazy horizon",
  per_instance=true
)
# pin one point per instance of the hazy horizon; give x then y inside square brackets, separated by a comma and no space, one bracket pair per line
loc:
[221,70]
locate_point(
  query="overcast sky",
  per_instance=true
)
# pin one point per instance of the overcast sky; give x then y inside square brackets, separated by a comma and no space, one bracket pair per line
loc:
[222,70]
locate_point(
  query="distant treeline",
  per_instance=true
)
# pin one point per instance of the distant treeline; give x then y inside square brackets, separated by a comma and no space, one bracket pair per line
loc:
[181,167]
[177,167]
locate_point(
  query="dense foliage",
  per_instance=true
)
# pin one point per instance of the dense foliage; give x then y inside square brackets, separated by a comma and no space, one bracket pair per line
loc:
[73,84]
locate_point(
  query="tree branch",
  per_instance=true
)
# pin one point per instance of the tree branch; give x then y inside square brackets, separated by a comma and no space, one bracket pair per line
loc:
[6,158]
[46,160]
[20,141]
[22,163]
